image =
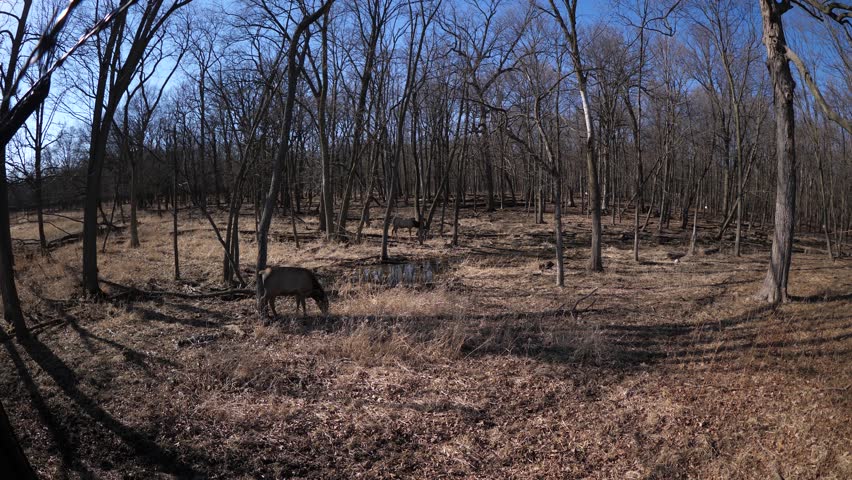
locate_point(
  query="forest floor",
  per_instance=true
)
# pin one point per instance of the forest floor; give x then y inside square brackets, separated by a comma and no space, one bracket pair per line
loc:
[667,369]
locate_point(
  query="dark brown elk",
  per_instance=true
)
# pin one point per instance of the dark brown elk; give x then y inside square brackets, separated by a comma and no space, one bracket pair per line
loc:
[292,282]
[409,223]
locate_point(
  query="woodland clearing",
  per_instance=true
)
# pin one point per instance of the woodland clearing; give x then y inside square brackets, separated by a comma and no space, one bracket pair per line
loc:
[669,369]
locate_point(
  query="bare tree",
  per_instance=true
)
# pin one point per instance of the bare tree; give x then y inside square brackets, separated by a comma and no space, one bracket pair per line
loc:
[283,151]
[320,86]
[567,22]
[647,18]
[544,84]
[420,23]
[486,45]
[779,55]
[115,73]
[38,140]
[378,13]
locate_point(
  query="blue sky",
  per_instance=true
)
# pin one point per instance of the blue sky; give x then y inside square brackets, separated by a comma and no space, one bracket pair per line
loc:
[806,35]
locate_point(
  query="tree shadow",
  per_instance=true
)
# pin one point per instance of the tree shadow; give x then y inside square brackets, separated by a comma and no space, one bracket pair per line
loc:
[61,439]
[218,317]
[135,357]
[552,336]
[148,451]
[151,315]
[752,332]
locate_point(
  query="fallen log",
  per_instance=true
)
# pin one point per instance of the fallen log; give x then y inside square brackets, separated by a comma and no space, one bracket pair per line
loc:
[133,292]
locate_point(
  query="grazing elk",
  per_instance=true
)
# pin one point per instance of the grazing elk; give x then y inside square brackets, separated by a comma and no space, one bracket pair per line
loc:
[409,223]
[294,282]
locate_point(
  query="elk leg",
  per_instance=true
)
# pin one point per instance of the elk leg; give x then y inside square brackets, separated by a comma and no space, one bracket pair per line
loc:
[271,302]
[299,301]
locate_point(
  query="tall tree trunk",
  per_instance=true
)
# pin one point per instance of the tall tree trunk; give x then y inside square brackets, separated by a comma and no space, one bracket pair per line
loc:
[569,29]
[134,225]
[377,21]
[774,287]
[11,303]
[459,196]
[695,220]
[487,163]
[408,93]
[557,231]
[90,212]
[327,208]
[726,172]
[595,260]
[175,209]
[38,184]
[825,206]
[635,117]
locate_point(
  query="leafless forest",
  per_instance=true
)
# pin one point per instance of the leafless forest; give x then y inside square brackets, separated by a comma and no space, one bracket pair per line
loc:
[535,239]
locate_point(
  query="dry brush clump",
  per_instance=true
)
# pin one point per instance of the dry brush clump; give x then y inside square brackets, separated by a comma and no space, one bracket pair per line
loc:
[365,299]
[552,339]
[375,342]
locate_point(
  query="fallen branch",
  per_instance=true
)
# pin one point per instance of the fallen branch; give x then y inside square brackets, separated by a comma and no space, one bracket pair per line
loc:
[574,312]
[22,242]
[66,217]
[75,237]
[46,324]
[133,292]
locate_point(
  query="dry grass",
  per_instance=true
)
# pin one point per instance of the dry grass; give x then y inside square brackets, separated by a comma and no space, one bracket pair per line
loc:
[673,372]
[374,343]
[363,300]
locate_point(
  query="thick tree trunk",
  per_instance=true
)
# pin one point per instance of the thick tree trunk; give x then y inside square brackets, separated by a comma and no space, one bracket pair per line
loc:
[774,287]
[90,212]
[11,303]
[569,29]
[595,259]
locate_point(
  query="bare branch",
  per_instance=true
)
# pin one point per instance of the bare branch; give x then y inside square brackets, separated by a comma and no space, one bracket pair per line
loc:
[812,86]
